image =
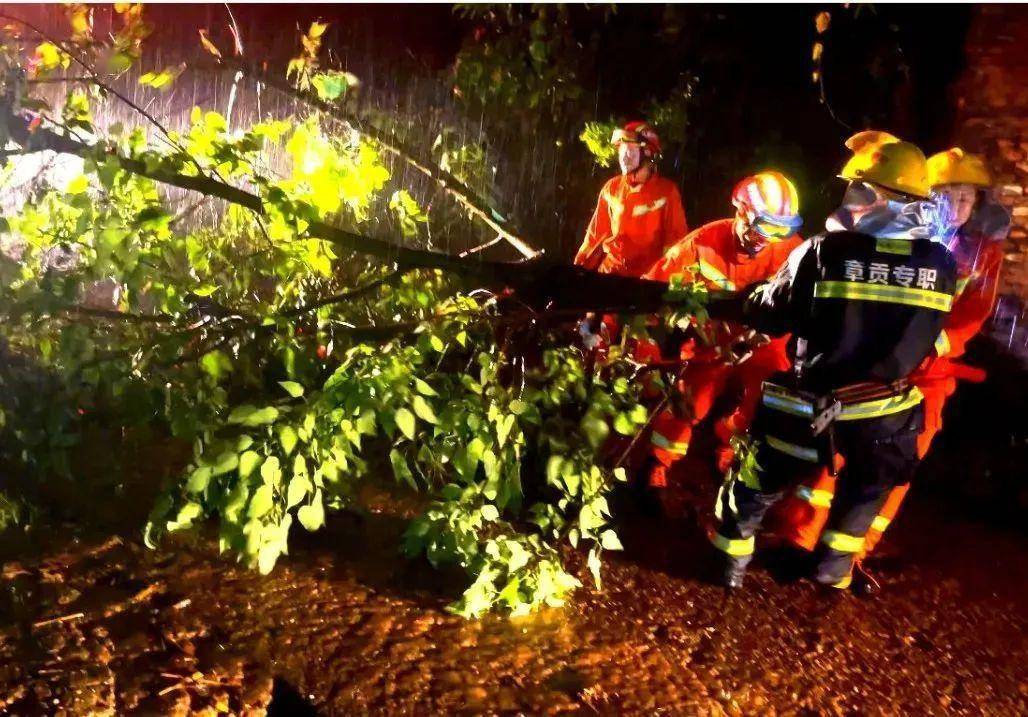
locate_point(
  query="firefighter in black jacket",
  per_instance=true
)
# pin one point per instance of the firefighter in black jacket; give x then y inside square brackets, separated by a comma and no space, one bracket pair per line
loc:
[865,302]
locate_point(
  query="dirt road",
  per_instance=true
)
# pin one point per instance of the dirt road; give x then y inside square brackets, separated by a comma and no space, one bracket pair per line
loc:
[106,627]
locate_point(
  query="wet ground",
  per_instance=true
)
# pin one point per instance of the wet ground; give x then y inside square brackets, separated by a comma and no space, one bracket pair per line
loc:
[346,627]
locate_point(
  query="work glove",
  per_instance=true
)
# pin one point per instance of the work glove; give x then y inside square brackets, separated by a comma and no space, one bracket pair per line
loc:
[590,340]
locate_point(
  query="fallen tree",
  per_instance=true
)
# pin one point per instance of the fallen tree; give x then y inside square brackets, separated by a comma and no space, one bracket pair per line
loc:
[298,355]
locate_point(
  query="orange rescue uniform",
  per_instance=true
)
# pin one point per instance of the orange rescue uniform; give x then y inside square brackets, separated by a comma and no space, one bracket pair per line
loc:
[802,517]
[721,264]
[633,225]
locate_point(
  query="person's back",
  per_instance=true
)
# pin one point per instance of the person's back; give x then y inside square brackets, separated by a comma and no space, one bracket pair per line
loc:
[867,308]
[866,303]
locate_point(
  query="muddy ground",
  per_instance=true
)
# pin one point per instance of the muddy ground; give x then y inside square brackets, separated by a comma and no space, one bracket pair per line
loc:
[344,626]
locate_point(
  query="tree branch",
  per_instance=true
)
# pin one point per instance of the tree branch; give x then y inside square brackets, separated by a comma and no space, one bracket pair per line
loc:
[458,190]
[550,285]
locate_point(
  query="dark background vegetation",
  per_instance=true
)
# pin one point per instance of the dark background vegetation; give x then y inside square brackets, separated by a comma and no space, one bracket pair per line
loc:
[735,78]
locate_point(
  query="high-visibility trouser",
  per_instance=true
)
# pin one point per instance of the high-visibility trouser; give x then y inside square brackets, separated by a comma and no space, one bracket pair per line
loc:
[878,441]
[671,435]
[705,383]
[801,516]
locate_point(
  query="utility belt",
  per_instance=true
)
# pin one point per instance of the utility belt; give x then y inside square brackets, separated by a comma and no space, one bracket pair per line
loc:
[855,402]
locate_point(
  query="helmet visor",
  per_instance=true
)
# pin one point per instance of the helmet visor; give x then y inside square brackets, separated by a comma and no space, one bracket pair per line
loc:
[622,135]
[769,230]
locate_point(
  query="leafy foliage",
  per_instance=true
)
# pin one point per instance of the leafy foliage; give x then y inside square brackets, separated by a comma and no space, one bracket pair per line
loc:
[246,337]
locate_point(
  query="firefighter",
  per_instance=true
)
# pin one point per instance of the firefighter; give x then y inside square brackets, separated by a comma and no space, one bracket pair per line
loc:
[639,214]
[973,225]
[731,254]
[865,305]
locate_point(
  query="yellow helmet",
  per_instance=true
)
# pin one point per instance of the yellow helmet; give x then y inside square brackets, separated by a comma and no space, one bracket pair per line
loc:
[883,159]
[955,166]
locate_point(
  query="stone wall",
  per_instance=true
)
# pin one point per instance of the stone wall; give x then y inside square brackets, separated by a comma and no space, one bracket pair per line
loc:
[992,99]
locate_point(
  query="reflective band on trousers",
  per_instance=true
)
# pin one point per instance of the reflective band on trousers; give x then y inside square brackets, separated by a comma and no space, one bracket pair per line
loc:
[860,291]
[880,523]
[942,346]
[844,583]
[843,542]
[660,441]
[817,497]
[791,449]
[781,399]
[736,548]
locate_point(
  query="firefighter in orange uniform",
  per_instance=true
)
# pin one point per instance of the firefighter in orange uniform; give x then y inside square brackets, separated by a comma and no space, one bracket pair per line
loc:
[729,254]
[974,225]
[639,214]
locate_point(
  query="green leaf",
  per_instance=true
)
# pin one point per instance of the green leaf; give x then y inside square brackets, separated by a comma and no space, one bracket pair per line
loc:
[554,466]
[287,438]
[271,471]
[588,518]
[292,388]
[226,463]
[199,479]
[249,415]
[78,185]
[400,468]
[299,487]
[624,424]
[423,410]
[333,85]
[503,428]
[312,516]
[594,567]
[572,480]
[596,430]
[405,422]
[423,388]
[489,512]
[610,541]
[248,461]
[268,556]
[262,501]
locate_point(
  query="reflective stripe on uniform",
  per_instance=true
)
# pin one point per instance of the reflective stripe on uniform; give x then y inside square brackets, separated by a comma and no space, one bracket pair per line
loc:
[711,273]
[791,449]
[662,441]
[882,407]
[640,209]
[880,523]
[893,246]
[737,547]
[843,542]
[817,497]
[942,346]
[780,399]
[962,283]
[888,294]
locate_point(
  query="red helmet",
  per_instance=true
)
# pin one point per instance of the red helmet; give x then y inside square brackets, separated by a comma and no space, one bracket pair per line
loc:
[640,133]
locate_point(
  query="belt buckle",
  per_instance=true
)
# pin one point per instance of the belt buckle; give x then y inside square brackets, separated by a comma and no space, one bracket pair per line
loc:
[825,415]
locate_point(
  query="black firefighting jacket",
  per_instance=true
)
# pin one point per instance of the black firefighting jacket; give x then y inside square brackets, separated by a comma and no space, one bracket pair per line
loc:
[860,308]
